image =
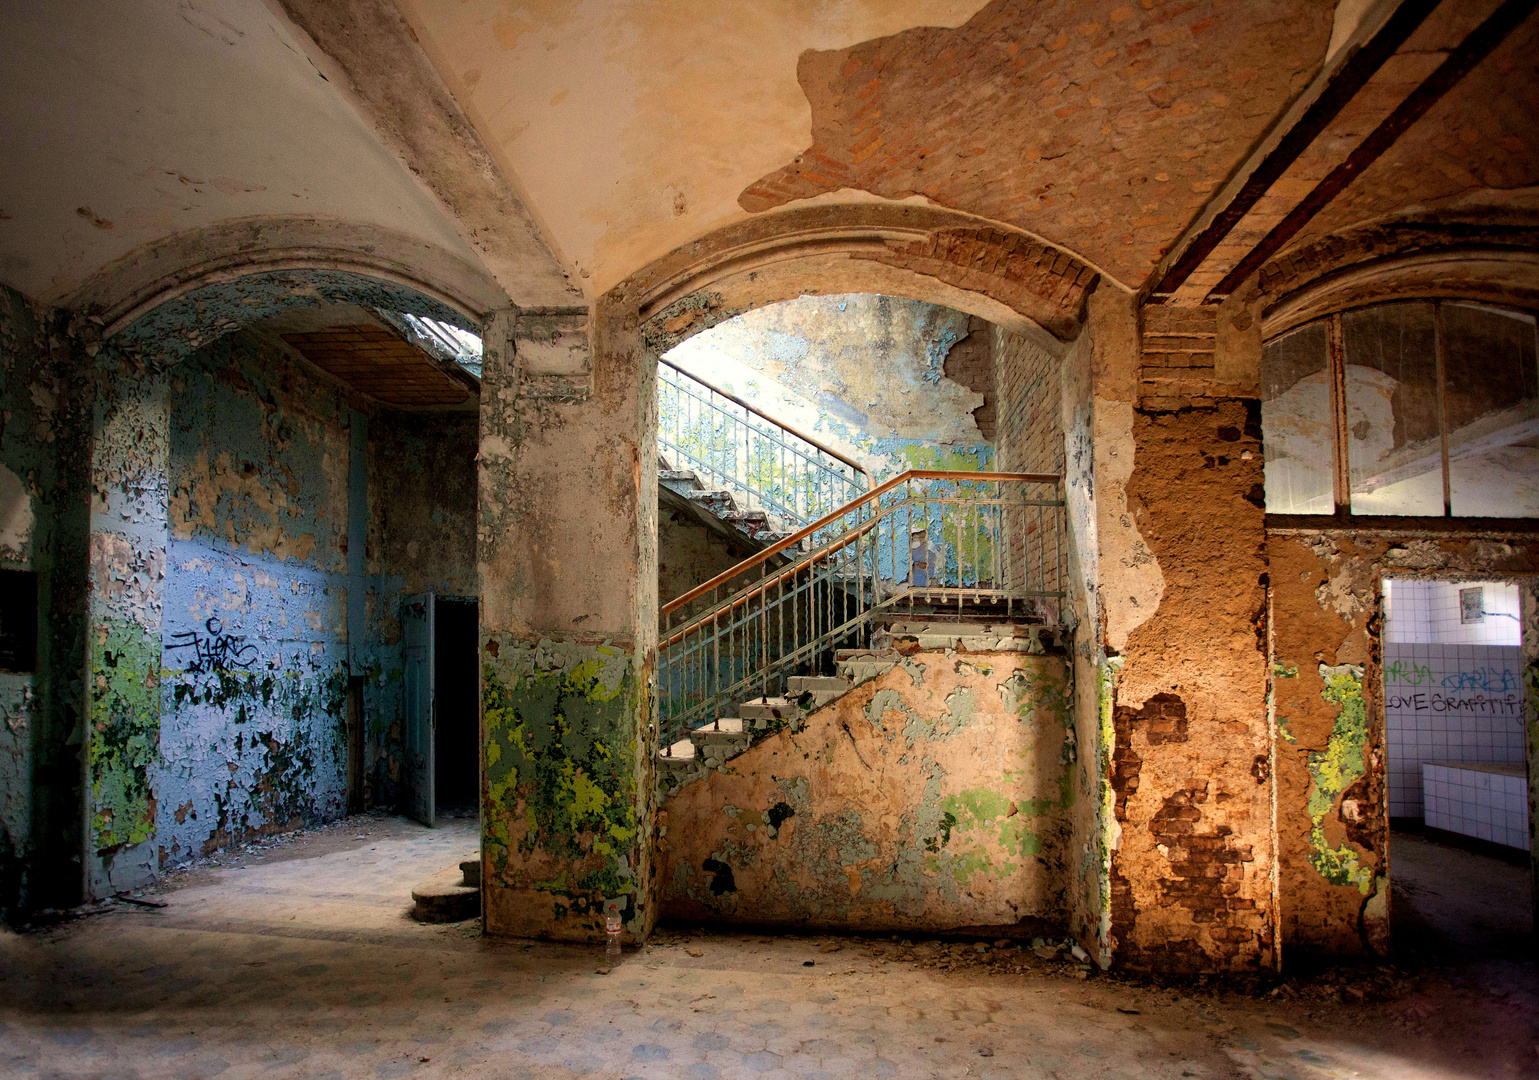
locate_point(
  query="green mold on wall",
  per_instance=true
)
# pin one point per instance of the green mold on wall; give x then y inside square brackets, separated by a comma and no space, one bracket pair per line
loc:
[125,733]
[561,734]
[1333,770]
[1106,798]
[941,459]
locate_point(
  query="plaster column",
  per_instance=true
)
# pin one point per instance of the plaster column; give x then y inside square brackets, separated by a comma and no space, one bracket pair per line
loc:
[568,561]
[129,457]
[1181,555]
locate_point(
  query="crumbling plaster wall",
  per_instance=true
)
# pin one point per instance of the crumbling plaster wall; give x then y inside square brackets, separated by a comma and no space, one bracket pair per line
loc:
[934,797]
[1332,809]
[1092,823]
[1181,597]
[257,647]
[566,535]
[44,428]
[864,374]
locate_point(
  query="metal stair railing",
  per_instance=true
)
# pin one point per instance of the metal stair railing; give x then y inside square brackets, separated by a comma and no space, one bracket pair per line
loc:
[926,541]
[767,465]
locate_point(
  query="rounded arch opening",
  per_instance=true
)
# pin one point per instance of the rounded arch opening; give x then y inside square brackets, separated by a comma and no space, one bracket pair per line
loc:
[1009,277]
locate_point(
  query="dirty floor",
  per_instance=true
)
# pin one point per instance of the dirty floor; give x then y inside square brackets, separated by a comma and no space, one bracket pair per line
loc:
[297,959]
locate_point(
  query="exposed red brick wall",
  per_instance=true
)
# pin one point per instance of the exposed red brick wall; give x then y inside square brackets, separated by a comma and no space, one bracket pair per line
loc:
[1030,429]
[1191,883]
[1102,125]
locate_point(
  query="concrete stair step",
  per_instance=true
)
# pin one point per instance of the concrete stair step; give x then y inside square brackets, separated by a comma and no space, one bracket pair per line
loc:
[719,501]
[718,743]
[801,684]
[445,898]
[470,871]
[769,708]
[863,665]
[683,750]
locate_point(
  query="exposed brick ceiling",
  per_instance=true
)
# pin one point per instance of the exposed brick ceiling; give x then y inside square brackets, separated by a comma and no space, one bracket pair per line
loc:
[380,363]
[1102,126]
[1477,137]
[1481,139]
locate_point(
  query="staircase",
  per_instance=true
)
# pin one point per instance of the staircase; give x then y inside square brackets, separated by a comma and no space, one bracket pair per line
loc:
[717,508]
[813,614]
[712,746]
[741,464]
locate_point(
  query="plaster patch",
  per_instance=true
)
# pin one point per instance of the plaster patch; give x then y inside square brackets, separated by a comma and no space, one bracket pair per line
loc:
[16,518]
[1132,584]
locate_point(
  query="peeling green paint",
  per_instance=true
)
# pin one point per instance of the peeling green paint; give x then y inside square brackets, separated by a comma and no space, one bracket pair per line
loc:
[941,458]
[1333,770]
[1107,826]
[561,722]
[125,733]
[1003,820]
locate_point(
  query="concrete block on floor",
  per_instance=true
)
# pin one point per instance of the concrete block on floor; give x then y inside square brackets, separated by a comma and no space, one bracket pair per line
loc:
[445,898]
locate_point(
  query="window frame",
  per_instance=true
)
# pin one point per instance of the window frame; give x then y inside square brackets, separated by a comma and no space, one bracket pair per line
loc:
[1336,369]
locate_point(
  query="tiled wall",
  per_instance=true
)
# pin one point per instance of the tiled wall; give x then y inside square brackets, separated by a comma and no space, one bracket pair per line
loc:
[1451,690]
[1448,703]
[1427,612]
[1489,806]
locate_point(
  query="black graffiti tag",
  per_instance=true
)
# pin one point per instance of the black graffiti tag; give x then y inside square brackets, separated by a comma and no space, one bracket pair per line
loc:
[216,652]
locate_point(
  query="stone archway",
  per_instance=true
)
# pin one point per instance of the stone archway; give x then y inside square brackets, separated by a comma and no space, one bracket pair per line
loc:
[569,522]
[134,360]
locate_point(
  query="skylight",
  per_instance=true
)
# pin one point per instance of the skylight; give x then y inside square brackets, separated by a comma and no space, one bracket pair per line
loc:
[444,340]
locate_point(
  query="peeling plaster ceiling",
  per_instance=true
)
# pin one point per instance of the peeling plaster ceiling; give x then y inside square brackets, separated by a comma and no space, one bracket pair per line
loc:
[129,120]
[632,128]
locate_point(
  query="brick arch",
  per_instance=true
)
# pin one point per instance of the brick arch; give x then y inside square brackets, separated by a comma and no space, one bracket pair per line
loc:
[1005,275]
[1495,263]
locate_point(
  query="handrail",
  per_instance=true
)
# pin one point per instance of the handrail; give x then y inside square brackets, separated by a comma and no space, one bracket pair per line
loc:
[928,541]
[766,416]
[854,504]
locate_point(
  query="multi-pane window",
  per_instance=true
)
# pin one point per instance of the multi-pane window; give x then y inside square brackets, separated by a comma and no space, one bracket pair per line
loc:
[1420,408]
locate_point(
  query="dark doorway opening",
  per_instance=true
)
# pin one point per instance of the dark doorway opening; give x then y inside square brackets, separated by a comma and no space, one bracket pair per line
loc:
[456,679]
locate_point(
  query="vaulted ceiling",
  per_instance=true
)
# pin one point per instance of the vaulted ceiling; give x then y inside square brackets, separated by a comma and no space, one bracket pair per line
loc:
[560,146]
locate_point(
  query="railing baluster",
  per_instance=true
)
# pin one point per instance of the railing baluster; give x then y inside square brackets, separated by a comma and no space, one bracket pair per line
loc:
[833,594]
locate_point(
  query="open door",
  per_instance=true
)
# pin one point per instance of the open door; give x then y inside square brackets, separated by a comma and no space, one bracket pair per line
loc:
[418,719]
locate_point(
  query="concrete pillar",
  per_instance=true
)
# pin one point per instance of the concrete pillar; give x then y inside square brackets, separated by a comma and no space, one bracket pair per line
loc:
[129,489]
[1181,557]
[568,562]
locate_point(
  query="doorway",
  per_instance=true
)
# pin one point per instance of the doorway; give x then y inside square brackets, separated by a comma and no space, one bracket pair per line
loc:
[441,725]
[1456,765]
[457,755]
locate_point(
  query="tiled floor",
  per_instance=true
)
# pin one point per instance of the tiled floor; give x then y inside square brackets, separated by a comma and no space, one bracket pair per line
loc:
[310,968]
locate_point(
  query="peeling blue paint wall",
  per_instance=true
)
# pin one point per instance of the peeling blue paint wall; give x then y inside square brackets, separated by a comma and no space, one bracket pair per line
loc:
[864,374]
[253,697]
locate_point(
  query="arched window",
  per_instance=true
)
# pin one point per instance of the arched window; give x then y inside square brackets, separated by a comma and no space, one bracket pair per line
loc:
[1420,408]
